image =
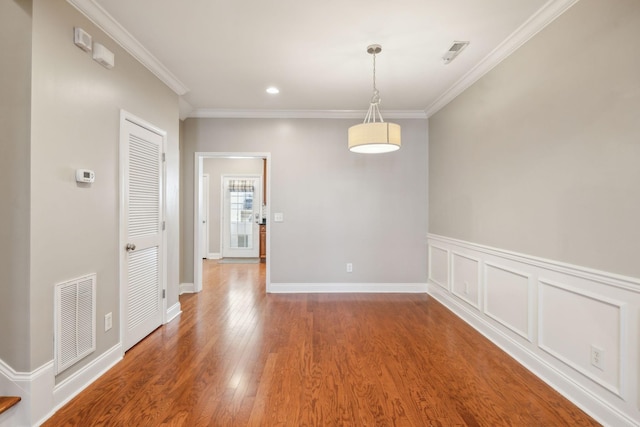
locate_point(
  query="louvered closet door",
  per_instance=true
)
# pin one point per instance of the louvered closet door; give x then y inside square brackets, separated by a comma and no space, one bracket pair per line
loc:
[142,294]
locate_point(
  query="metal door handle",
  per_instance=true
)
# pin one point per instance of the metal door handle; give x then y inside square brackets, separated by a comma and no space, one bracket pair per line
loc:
[130,247]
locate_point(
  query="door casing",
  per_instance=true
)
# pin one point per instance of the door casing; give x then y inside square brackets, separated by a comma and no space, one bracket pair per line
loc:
[197,221]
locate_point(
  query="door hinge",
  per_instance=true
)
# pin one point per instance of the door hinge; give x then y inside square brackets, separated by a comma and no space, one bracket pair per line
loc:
[164,225]
[164,293]
[164,157]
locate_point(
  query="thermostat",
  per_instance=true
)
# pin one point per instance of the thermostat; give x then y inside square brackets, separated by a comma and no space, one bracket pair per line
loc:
[85,175]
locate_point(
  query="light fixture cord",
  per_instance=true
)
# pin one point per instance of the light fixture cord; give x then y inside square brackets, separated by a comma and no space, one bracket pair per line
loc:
[374,109]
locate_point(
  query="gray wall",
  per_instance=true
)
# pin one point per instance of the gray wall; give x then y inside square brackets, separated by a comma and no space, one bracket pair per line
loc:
[338,206]
[75,124]
[542,155]
[216,168]
[15,105]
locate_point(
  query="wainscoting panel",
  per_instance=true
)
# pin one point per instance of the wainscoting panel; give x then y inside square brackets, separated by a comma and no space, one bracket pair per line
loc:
[576,328]
[573,324]
[508,298]
[439,266]
[465,278]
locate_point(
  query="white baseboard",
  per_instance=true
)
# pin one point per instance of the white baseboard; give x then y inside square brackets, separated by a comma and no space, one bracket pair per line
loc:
[34,388]
[214,255]
[491,289]
[173,312]
[330,288]
[70,387]
[41,397]
[187,288]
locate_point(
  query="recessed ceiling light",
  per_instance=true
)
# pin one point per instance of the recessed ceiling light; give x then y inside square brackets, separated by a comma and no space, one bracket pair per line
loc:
[273,90]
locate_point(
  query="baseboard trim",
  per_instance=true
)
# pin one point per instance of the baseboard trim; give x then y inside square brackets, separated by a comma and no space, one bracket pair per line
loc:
[173,312]
[187,288]
[70,387]
[334,288]
[214,255]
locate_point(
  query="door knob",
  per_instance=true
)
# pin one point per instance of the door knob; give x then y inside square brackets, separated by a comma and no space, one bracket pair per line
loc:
[130,247]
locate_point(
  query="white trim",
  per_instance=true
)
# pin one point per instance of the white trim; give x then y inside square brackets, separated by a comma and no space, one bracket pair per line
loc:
[204,209]
[34,388]
[67,389]
[185,108]
[214,255]
[479,286]
[616,389]
[96,14]
[335,288]
[446,251]
[16,376]
[543,17]
[582,397]
[41,397]
[623,282]
[186,288]
[528,335]
[173,312]
[215,113]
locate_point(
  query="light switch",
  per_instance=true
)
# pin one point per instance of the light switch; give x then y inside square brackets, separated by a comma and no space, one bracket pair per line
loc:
[278,217]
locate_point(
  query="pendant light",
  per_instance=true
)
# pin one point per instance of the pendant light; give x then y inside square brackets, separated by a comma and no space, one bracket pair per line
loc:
[373,136]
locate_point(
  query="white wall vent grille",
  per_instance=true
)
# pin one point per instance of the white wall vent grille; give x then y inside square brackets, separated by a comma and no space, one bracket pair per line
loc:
[454,51]
[75,330]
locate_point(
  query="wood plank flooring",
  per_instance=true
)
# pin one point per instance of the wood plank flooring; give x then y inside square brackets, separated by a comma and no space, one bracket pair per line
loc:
[239,357]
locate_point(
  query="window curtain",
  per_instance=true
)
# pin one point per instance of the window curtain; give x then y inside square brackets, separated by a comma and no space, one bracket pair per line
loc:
[241,185]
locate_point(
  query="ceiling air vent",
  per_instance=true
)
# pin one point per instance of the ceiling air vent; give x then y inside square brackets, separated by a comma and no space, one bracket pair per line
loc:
[454,51]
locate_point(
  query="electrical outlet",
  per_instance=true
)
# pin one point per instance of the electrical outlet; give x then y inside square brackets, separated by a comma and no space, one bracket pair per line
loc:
[466,287]
[108,321]
[349,267]
[597,357]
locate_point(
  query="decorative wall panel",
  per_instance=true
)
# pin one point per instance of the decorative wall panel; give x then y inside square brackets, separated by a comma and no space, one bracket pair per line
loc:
[508,299]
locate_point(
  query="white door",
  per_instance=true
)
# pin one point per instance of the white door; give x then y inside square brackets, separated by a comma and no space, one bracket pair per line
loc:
[204,215]
[142,212]
[241,215]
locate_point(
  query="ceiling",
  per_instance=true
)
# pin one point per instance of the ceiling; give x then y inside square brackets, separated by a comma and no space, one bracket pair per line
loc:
[221,55]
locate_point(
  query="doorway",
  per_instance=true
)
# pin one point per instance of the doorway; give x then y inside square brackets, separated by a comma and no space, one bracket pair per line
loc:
[199,170]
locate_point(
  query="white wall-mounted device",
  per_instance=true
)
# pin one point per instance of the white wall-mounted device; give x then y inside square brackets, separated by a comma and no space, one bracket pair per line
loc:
[454,51]
[103,56]
[85,175]
[82,39]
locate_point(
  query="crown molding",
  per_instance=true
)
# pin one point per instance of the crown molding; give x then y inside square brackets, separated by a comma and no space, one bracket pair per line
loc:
[300,114]
[96,14]
[543,17]
[184,107]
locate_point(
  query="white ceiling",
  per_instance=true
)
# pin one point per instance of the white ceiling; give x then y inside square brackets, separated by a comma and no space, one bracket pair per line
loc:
[221,55]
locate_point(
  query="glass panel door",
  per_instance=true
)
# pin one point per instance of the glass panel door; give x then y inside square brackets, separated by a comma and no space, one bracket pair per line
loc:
[241,215]
[241,219]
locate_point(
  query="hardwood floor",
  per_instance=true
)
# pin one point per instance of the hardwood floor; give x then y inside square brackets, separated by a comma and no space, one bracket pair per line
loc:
[237,357]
